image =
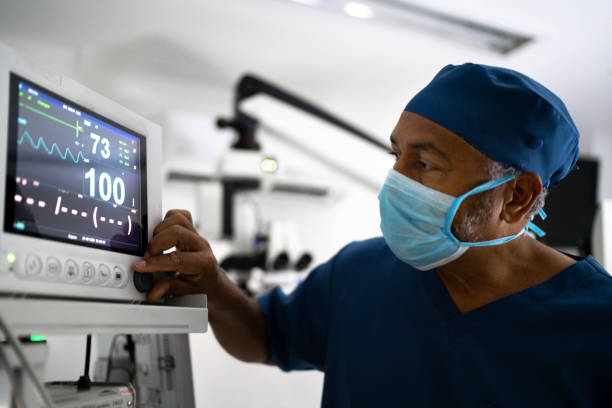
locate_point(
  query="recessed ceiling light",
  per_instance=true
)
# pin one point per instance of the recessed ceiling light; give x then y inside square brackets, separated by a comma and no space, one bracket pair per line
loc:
[358,10]
[447,25]
[307,2]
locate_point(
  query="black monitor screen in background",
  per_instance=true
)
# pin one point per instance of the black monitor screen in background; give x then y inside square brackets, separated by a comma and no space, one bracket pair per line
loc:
[570,207]
[73,175]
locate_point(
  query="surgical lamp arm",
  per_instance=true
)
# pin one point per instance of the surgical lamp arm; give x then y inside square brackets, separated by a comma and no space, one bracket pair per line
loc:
[246,126]
[250,85]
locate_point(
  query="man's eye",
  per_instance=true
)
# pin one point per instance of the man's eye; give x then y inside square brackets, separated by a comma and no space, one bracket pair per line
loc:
[425,165]
[394,154]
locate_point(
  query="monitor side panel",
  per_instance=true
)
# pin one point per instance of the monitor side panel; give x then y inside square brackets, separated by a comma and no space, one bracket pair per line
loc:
[34,266]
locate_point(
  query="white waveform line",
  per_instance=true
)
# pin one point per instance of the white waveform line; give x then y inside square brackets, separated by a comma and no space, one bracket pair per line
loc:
[54,146]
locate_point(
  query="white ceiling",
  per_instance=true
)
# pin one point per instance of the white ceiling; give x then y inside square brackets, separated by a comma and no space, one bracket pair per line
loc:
[155,56]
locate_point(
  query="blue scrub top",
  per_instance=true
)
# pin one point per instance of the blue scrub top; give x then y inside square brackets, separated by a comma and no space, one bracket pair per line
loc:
[388,335]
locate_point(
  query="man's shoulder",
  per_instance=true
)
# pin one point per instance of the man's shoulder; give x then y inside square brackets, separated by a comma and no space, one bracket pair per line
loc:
[597,279]
[589,289]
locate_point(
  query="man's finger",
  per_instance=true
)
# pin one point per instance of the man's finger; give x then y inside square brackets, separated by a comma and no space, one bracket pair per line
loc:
[184,213]
[174,219]
[170,286]
[187,263]
[176,236]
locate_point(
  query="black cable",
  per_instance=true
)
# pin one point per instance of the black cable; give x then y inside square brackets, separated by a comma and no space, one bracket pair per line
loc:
[87,355]
[84,382]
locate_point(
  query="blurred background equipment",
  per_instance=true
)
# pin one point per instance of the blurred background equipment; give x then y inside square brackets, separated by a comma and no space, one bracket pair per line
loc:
[21,362]
[158,366]
[163,371]
[571,207]
[275,246]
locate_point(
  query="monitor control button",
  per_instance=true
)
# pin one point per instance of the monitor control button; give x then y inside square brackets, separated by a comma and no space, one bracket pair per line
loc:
[89,272]
[143,281]
[33,265]
[71,270]
[54,268]
[104,274]
[118,277]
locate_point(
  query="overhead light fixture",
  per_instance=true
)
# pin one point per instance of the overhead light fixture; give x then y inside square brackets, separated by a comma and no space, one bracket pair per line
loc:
[407,14]
[451,26]
[358,10]
[307,2]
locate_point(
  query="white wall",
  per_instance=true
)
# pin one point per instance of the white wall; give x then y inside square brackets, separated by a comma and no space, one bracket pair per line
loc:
[66,357]
[222,381]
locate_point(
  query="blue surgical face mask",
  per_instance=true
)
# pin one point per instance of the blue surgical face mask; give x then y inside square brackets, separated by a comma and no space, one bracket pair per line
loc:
[416,221]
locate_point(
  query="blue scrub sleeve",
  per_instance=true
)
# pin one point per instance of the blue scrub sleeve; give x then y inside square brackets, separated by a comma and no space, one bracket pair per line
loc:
[297,324]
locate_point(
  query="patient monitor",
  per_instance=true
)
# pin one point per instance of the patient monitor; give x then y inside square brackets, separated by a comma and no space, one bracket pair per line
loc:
[80,187]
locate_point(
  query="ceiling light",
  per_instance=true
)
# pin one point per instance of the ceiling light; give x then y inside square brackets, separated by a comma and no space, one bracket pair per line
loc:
[410,14]
[358,10]
[307,2]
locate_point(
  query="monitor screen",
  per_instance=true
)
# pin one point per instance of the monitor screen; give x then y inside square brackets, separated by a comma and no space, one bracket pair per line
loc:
[73,175]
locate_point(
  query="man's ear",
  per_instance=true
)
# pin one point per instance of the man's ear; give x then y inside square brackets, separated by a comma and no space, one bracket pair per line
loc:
[519,196]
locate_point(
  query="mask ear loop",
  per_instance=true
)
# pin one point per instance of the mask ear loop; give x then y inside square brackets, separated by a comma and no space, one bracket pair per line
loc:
[455,206]
[534,228]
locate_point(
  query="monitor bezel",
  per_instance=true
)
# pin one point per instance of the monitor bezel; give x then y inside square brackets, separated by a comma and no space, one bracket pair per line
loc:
[13,282]
[10,166]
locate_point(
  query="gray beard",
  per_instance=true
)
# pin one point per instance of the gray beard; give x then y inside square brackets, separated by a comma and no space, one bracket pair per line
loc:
[469,229]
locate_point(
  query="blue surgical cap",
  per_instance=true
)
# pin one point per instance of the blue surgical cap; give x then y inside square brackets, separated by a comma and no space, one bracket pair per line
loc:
[504,114]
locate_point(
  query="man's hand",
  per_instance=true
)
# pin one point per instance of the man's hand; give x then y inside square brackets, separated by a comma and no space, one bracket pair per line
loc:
[198,271]
[238,321]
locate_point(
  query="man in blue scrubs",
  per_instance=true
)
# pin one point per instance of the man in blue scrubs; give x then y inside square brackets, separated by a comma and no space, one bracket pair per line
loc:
[457,304]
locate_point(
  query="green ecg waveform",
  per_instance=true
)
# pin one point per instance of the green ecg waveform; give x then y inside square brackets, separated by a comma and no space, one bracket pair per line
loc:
[54,146]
